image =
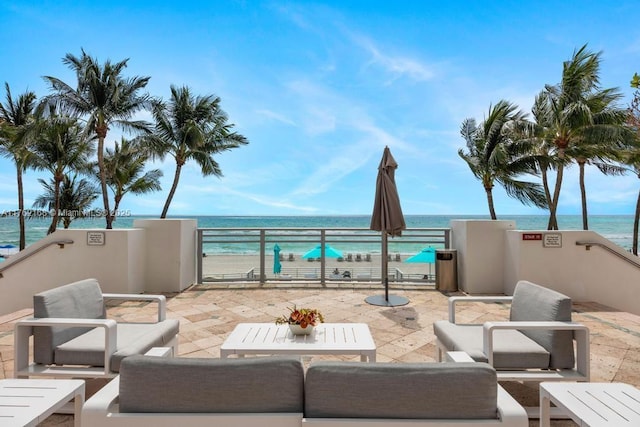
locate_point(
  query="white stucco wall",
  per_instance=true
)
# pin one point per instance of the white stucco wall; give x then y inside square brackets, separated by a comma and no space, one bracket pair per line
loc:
[171,253]
[118,265]
[584,275]
[481,251]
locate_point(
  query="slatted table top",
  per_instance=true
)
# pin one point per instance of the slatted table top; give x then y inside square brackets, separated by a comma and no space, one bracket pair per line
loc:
[326,338]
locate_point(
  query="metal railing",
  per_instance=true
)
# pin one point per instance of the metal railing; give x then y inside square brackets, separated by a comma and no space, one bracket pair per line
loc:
[60,243]
[249,250]
[589,244]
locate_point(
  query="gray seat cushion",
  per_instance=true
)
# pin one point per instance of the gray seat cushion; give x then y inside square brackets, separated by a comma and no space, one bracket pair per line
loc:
[400,390]
[511,349]
[534,302]
[132,339]
[78,300]
[176,385]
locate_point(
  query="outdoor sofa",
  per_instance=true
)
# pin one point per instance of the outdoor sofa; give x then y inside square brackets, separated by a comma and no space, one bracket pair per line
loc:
[274,391]
[73,338]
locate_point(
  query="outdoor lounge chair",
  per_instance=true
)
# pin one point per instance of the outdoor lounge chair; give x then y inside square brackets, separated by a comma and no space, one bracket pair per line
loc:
[536,344]
[73,338]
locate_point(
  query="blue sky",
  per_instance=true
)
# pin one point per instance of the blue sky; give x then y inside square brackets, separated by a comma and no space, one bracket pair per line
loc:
[319,89]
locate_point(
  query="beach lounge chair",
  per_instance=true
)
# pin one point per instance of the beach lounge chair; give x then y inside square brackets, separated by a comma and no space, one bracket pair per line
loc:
[367,257]
[536,344]
[73,338]
[358,258]
[349,258]
[291,257]
[397,257]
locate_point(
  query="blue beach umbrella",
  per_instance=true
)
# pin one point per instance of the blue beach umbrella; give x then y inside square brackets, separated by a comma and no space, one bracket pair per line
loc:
[8,249]
[329,252]
[277,267]
[427,255]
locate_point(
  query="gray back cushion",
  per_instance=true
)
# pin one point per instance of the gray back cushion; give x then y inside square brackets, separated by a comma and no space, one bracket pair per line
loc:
[401,390]
[534,302]
[78,300]
[176,385]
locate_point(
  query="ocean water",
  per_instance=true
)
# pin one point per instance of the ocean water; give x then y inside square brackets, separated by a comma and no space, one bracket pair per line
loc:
[617,228]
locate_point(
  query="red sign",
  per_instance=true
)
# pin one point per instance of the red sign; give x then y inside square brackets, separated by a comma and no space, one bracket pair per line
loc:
[531,236]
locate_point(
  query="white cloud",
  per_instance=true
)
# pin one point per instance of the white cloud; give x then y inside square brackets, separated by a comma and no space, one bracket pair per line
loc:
[276,116]
[397,65]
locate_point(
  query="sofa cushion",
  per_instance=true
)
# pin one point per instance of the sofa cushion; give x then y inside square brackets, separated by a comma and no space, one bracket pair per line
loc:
[78,300]
[176,385]
[534,302]
[511,349]
[400,390]
[132,339]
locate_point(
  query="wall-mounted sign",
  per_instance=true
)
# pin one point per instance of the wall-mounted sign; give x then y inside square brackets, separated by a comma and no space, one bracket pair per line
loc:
[552,240]
[531,236]
[95,238]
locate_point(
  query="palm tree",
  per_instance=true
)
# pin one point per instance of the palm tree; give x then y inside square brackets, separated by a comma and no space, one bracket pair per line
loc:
[191,128]
[75,198]
[106,98]
[633,157]
[582,123]
[16,115]
[61,146]
[124,167]
[495,154]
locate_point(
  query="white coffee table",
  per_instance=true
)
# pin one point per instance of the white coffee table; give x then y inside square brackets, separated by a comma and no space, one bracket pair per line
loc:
[327,338]
[27,402]
[592,404]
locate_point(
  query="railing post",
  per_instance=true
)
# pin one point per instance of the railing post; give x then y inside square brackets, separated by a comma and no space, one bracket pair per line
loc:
[263,276]
[199,254]
[323,258]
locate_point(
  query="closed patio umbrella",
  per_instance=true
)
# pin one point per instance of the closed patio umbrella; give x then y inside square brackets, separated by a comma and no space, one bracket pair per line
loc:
[277,266]
[387,218]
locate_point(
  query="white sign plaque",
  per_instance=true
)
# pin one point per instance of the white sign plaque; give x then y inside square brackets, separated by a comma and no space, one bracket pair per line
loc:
[95,238]
[552,240]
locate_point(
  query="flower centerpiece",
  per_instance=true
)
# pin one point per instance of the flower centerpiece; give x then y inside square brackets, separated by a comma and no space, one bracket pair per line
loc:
[301,321]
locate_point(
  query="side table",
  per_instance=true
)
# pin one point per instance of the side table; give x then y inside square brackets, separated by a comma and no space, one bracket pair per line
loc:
[28,402]
[592,404]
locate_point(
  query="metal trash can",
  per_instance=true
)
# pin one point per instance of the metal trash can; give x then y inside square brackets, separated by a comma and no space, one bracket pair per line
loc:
[446,270]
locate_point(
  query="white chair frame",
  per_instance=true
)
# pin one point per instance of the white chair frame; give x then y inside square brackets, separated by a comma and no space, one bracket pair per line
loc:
[581,370]
[23,330]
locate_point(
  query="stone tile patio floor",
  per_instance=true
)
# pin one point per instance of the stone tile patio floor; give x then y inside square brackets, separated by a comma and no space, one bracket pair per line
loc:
[207,315]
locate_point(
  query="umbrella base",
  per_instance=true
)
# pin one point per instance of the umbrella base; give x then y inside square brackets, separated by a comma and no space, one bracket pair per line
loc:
[393,301]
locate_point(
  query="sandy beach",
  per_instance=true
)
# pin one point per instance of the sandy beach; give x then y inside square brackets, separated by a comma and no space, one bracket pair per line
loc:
[228,267]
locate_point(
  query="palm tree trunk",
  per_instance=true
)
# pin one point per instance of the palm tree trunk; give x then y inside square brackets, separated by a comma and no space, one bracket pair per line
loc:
[176,178]
[636,221]
[21,211]
[103,178]
[553,207]
[492,210]
[583,196]
[545,185]
[116,204]
[56,206]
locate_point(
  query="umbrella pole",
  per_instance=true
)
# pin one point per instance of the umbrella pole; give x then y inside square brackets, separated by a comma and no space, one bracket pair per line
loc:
[388,301]
[385,265]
